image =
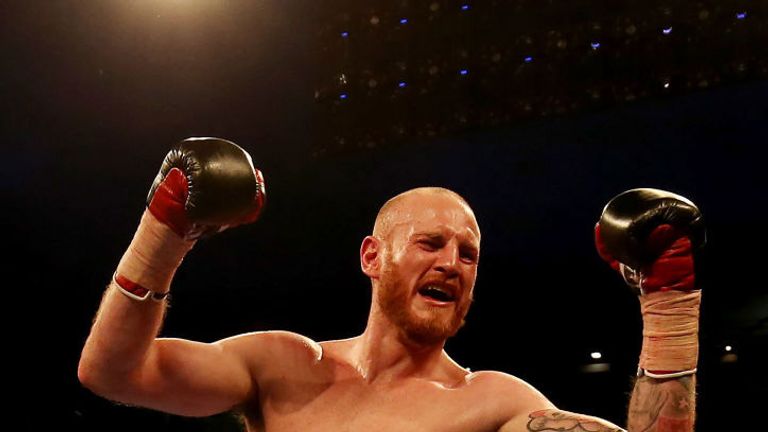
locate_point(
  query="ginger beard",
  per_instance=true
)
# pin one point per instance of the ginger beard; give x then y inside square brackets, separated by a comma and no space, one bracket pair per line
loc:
[396,302]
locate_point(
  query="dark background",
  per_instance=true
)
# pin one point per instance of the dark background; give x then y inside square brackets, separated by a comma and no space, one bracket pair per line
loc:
[94,94]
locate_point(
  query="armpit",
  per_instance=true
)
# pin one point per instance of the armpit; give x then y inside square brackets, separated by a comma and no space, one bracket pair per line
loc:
[561,421]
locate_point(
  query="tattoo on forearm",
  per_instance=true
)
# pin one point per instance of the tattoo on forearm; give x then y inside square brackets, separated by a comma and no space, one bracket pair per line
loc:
[559,421]
[663,405]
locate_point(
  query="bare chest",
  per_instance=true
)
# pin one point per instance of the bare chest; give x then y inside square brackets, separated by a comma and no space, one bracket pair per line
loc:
[351,406]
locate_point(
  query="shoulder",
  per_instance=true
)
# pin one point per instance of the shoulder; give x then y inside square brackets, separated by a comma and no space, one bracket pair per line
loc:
[510,396]
[268,350]
[500,381]
[275,338]
[507,400]
[518,406]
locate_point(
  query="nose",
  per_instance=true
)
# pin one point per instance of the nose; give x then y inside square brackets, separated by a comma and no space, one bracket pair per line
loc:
[447,260]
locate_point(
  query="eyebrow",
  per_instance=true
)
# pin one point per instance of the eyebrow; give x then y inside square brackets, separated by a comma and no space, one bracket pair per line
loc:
[430,234]
[433,235]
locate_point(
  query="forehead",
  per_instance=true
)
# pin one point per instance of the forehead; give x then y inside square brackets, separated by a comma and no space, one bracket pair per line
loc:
[434,213]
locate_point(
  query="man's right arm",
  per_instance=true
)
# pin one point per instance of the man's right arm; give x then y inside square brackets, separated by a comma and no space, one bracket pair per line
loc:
[122,359]
[124,362]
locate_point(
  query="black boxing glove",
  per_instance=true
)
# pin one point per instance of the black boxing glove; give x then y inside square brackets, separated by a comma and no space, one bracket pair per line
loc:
[653,238]
[204,186]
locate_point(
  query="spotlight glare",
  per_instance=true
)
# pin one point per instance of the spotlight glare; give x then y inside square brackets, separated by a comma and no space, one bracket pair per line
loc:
[596,355]
[343,96]
[465,7]
[728,348]
[667,30]
[528,59]
[463,72]
[596,368]
[595,45]
[741,15]
[404,21]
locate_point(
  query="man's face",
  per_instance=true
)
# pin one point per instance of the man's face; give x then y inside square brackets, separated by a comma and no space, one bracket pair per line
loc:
[429,267]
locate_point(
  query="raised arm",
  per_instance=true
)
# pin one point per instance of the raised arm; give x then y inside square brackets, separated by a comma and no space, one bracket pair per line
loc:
[204,186]
[652,238]
[663,405]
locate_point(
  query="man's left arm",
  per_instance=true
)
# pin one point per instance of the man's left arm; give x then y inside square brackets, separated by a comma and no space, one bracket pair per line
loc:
[555,420]
[663,405]
[525,409]
[652,238]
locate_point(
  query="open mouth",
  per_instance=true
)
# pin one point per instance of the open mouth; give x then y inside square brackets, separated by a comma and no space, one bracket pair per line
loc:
[437,293]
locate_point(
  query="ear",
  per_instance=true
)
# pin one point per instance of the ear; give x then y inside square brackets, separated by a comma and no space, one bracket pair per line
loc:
[369,256]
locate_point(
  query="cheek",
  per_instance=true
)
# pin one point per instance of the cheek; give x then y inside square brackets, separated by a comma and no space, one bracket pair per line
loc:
[409,258]
[471,275]
[402,255]
[469,282]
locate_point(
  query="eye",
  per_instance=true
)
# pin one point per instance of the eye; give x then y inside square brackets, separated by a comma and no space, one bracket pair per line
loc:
[430,245]
[469,256]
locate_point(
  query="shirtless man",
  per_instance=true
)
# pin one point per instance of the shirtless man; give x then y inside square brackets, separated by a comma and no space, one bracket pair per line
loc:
[422,260]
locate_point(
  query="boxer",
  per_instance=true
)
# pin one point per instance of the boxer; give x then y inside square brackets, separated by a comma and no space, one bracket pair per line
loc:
[422,258]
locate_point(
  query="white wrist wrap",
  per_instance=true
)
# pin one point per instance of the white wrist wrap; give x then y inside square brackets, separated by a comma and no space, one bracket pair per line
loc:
[154,255]
[670,332]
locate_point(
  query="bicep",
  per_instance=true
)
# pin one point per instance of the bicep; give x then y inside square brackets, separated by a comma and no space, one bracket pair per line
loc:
[191,378]
[557,420]
[200,379]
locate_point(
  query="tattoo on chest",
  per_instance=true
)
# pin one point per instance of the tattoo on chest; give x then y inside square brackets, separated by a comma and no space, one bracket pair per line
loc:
[558,421]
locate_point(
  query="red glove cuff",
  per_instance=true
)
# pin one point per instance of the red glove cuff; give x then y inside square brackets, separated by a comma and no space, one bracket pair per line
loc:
[169,201]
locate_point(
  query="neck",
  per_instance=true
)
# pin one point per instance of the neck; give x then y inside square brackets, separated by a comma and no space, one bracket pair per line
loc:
[384,353]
